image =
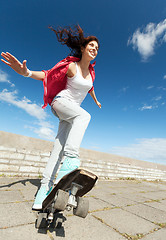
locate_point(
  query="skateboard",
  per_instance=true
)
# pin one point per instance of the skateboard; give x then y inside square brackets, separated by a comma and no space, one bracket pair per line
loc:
[67,195]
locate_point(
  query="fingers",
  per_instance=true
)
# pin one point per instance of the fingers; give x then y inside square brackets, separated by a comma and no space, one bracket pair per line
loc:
[11,56]
[24,64]
[99,104]
[4,55]
[6,62]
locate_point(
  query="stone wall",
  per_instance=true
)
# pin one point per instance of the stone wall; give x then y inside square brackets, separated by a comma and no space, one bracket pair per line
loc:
[25,156]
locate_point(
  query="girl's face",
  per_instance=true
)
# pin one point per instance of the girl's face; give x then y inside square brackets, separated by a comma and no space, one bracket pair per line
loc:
[91,50]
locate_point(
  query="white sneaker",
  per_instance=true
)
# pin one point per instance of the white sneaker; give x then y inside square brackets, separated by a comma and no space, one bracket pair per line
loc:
[41,195]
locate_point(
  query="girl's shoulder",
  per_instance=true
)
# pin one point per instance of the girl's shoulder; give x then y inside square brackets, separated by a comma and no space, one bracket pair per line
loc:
[71,70]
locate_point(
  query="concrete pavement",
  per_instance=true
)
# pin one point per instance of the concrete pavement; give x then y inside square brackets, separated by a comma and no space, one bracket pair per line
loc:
[119,210]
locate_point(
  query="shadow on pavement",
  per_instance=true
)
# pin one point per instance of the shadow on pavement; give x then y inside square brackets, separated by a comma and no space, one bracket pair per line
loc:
[56,226]
[35,182]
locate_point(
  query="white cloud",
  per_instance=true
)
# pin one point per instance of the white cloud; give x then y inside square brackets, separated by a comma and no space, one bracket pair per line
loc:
[153,149]
[154,103]
[44,128]
[5,78]
[146,107]
[43,132]
[158,98]
[46,133]
[164,76]
[150,87]
[31,108]
[147,40]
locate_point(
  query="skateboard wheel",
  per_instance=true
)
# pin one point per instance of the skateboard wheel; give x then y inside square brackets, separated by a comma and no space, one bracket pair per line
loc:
[61,200]
[41,221]
[82,207]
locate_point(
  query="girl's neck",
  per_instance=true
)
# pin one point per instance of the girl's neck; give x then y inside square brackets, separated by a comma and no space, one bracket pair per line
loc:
[84,64]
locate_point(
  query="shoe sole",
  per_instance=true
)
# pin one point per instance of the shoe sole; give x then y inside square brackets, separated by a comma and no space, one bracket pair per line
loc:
[37,207]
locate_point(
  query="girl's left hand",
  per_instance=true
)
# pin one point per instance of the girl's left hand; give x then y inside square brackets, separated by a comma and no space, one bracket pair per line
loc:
[98,104]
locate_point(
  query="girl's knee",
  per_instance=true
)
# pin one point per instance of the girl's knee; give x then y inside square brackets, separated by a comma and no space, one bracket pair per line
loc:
[87,116]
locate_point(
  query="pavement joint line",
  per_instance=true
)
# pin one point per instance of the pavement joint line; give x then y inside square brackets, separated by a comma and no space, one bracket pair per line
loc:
[152,200]
[138,215]
[140,192]
[160,225]
[93,211]
[9,190]
[69,215]
[128,205]
[147,201]
[17,202]
[152,231]
[50,235]
[103,209]
[19,225]
[131,237]
[6,190]
[103,222]
[104,201]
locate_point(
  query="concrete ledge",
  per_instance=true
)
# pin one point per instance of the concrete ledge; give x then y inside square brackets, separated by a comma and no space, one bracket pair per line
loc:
[25,156]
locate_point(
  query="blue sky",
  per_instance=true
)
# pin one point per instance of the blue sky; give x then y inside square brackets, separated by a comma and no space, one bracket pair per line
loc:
[130,72]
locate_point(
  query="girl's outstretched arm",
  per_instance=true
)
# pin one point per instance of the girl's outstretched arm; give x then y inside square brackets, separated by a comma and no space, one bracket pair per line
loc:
[92,93]
[21,68]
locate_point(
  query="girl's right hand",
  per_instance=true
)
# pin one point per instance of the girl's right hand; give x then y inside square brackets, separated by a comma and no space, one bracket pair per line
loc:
[16,65]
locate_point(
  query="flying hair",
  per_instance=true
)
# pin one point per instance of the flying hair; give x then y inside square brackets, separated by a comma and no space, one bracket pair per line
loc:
[73,38]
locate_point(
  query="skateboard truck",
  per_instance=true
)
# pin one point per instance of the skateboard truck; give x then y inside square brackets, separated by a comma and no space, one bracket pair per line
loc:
[72,196]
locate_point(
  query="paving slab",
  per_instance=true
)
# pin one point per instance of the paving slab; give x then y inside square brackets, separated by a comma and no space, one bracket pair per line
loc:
[119,210]
[163,202]
[149,187]
[99,193]
[24,232]
[28,194]
[147,212]
[14,214]
[123,190]
[78,228]
[155,195]
[125,222]
[119,201]
[157,235]
[9,196]
[155,185]
[158,205]
[96,204]
[135,197]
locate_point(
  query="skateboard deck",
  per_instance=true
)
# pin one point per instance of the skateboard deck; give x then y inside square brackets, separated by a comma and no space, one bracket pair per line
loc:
[67,195]
[81,177]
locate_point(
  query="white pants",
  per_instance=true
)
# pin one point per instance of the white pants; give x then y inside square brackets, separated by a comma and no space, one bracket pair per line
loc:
[73,123]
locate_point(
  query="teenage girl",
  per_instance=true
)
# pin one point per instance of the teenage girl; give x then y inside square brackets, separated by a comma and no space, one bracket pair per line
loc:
[65,87]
